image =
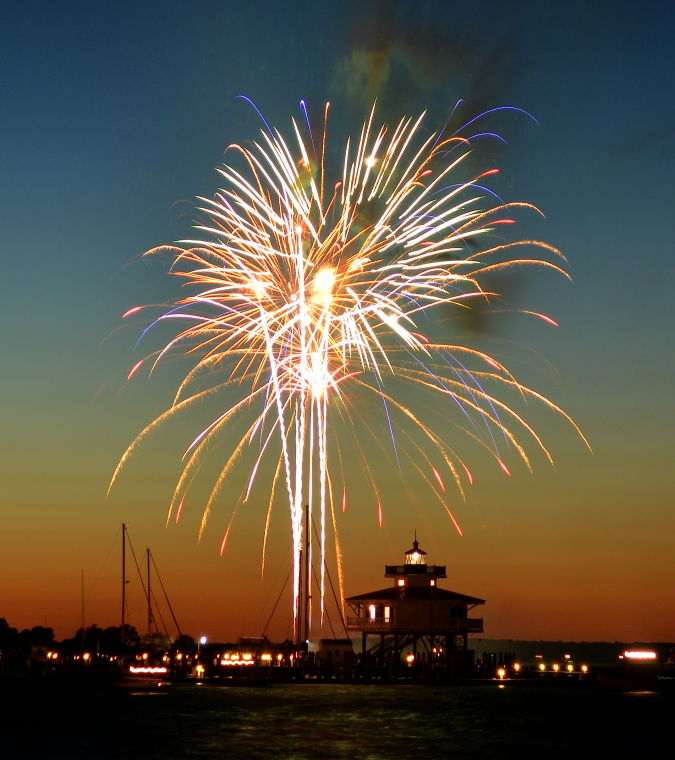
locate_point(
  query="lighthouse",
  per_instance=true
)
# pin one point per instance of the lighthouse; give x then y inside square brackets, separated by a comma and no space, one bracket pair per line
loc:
[415,620]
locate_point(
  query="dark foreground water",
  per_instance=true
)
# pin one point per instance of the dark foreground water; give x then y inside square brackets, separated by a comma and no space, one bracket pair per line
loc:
[358,722]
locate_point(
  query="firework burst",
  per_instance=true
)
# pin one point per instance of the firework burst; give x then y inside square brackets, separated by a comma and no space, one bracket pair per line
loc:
[307,293]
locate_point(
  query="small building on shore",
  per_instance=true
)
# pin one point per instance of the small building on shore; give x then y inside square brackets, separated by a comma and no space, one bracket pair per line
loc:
[417,623]
[332,653]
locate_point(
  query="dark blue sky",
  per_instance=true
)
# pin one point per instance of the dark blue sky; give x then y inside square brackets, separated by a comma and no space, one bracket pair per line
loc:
[113,118]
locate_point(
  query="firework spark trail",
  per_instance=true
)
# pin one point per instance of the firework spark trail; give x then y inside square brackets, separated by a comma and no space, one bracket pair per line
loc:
[304,294]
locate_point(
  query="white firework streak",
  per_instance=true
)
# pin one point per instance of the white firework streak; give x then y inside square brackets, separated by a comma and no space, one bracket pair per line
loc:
[304,291]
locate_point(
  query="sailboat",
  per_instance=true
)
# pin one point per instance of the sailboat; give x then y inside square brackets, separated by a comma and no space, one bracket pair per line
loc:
[150,664]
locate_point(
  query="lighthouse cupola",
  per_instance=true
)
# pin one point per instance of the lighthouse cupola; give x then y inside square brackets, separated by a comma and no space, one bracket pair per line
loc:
[415,571]
[415,556]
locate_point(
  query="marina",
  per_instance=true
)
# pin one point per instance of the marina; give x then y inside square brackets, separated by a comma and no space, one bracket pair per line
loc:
[412,632]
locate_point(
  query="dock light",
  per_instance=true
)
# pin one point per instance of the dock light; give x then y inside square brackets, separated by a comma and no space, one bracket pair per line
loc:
[640,654]
[542,667]
[86,656]
[410,658]
[516,667]
[501,672]
[179,656]
[234,660]
[266,657]
[247,656]
[584,668]
[570,668]
[567,656]
[280,657]
[145,655]
[556,667]
[200,671]
[202,640]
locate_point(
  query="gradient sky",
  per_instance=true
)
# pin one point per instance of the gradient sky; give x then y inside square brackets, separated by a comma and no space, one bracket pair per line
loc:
[114,116]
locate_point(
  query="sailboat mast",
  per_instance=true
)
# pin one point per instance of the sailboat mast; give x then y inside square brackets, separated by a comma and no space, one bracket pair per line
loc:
[124,583]
[147,557]
[306,579]
[82,599]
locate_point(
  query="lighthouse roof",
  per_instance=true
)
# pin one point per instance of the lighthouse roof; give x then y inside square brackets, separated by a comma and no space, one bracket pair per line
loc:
[414,592]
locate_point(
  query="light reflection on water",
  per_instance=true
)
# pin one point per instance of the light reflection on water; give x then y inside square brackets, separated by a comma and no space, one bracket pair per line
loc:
[358,722]
[52,720]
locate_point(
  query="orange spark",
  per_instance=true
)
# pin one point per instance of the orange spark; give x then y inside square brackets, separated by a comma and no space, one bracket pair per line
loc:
[542,316]
[133,370]
[180,509]
[503,466]
[467,471]
[438,478]
[225,537]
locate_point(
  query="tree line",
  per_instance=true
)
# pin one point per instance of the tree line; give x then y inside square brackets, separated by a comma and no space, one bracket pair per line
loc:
[92,639]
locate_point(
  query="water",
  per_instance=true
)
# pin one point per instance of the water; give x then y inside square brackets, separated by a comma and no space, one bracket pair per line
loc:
[323,722]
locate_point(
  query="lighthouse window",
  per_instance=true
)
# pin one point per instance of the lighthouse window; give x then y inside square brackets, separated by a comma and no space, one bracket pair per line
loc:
[372,611]
[432,582]
[387,614]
